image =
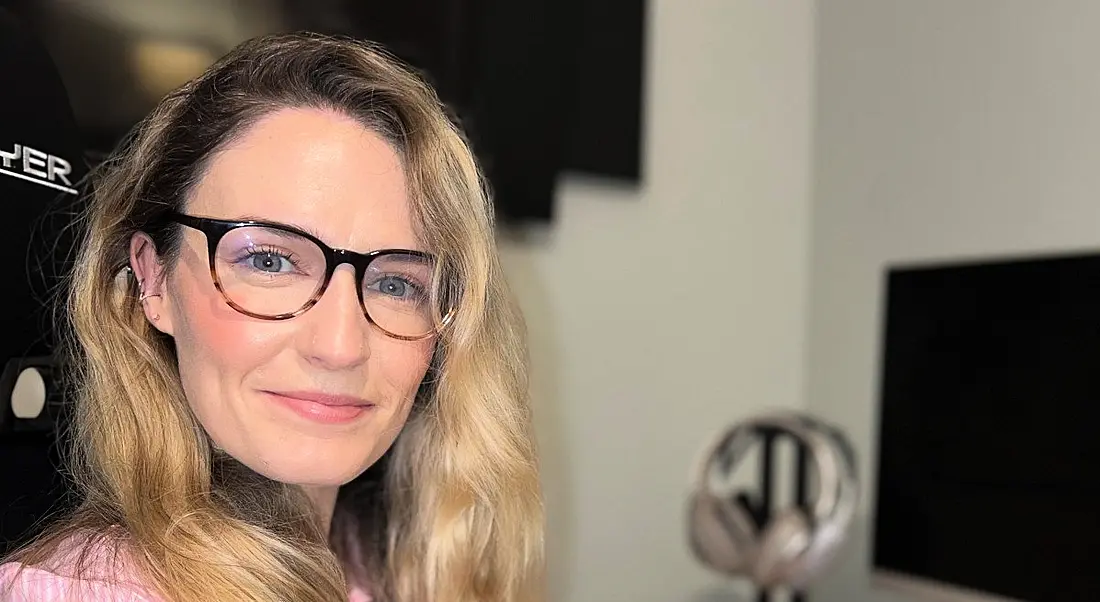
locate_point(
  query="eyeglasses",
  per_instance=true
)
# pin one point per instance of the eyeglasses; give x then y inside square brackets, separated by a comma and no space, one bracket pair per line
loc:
[277,272]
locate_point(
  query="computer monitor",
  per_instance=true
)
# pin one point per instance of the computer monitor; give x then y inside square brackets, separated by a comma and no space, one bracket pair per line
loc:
[988,445]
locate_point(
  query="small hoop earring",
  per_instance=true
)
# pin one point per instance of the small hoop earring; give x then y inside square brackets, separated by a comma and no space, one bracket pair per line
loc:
[143,295]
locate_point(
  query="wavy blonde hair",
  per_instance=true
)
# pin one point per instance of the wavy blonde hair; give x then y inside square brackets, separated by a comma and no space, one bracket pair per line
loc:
[452,513]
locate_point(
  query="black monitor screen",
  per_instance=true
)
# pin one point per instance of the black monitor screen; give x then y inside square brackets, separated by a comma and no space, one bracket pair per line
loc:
[989,466]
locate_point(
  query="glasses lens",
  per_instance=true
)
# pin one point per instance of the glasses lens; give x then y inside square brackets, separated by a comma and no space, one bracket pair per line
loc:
[397,294]
[268,272]
[271,273]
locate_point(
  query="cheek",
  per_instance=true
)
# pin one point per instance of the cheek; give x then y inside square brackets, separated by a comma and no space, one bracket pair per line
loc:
[213,341]
[401,364]
[400,368]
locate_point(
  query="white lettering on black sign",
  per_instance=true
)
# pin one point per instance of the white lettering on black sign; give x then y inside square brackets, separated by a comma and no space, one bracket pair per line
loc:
[33,165]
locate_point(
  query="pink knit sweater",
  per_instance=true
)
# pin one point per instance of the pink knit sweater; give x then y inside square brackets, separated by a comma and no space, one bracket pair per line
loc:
[101,581]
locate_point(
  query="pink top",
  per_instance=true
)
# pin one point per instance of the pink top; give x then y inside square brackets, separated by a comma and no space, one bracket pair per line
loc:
[57,583]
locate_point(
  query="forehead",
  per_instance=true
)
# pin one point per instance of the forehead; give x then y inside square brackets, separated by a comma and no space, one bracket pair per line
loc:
[315,169]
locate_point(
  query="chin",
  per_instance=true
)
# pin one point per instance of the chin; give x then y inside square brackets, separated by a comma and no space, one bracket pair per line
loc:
[313,470]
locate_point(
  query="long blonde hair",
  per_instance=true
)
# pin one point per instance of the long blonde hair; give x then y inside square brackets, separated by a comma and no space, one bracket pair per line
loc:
[454,511]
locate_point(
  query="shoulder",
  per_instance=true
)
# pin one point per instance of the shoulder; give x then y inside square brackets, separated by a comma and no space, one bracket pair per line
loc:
[20,583]
[356,595]
[74,573]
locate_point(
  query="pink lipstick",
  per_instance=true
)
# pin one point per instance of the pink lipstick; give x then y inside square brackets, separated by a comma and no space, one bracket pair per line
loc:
[322,407]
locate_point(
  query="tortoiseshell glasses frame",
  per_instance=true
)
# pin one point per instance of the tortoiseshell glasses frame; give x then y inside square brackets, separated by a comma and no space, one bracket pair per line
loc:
[216,229]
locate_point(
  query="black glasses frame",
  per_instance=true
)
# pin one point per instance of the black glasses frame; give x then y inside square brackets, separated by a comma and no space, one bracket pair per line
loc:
[216,229]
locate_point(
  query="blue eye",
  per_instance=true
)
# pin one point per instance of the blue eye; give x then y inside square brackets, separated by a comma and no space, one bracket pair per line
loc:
[398,288]
[393,286]
[270,262]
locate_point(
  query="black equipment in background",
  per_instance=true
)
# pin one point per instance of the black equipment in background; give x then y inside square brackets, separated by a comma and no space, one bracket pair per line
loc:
[988,450]
[542,86]
[41,167]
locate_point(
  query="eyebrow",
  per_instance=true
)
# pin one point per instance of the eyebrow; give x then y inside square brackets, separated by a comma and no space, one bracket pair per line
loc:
[300,227]
[307,229]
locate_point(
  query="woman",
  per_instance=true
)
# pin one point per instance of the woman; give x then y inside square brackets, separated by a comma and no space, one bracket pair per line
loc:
[288,269]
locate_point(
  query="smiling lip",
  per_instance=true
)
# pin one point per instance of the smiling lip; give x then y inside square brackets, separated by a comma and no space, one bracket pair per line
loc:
[324,398]
[322,407]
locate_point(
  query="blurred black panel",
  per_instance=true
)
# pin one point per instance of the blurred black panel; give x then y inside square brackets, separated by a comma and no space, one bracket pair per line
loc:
[542,86]
[41,167]
[605,127]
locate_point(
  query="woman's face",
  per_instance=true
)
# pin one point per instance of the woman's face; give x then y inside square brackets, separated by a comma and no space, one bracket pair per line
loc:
[250,381]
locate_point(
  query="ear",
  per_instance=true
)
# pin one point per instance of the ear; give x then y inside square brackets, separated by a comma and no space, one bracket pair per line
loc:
[149,270]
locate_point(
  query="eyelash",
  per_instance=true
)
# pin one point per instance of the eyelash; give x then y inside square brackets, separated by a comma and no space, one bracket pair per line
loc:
[265,249]
[420,290]
[268,250]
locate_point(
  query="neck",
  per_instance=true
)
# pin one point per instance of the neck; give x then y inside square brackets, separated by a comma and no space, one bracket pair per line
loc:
[324,501]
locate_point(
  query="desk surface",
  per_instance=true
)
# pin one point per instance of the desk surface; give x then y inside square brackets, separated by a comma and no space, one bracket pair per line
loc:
[850,579]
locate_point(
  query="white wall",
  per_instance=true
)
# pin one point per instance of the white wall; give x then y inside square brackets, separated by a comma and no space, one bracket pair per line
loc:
[944,129]
[658,315]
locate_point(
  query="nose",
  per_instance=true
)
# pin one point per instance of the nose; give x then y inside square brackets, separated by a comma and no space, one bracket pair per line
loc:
[335,337]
